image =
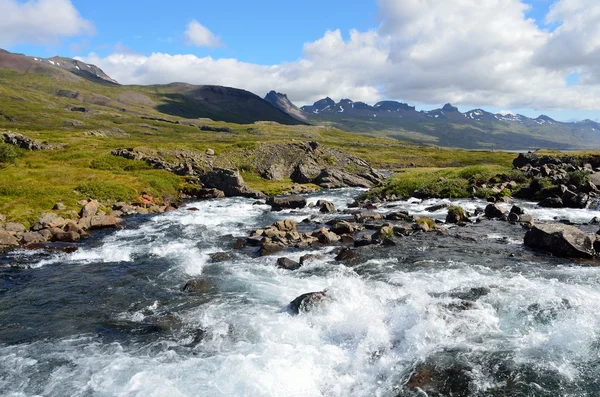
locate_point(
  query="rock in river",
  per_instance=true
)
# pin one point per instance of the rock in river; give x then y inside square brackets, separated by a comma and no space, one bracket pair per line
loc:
[561,240]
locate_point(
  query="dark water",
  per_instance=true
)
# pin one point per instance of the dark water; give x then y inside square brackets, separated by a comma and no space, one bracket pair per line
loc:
[468,313]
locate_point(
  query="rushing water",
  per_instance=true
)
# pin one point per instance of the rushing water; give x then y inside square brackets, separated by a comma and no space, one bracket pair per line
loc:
[111,319]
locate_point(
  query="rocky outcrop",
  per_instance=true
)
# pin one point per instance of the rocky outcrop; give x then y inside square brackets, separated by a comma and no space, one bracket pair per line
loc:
[26,143]
[230,182]
[561,240]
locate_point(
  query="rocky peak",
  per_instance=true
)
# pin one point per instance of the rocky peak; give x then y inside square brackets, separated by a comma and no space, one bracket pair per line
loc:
[281,102]
[449,108]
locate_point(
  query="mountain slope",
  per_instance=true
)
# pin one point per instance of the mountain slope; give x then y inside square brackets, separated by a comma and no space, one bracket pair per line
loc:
[447,126]
[86,83]
[281,102]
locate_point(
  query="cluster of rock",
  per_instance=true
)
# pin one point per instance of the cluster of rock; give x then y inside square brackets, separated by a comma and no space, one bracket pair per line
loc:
[563,240]
[52,227]
[26,143]
[303,163]
[574,181]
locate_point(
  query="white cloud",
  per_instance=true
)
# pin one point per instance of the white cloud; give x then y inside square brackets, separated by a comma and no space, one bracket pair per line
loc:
[199,36]
[468,52]
[40,22]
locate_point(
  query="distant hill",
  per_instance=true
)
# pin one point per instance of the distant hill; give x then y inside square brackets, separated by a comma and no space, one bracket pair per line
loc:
[176,99]
[447,126]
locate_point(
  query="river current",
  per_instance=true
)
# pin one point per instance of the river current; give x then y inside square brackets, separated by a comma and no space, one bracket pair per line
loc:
[111,319]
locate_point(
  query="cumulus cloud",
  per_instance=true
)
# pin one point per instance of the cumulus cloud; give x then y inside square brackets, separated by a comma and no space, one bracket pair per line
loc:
[40,22]
[468,52]
[199,36]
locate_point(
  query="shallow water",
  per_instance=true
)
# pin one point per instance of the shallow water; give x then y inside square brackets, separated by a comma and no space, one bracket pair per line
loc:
[111,319]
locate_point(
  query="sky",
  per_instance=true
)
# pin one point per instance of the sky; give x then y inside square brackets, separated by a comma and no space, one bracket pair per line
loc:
[519,56]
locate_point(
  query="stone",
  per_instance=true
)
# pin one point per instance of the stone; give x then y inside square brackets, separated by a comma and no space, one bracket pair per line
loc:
[286,225]
[367,216]
[345,255]
[308,258]
[7,240]
[325,236]
[517,210]
[197,286]
[206,193]
[343,227]
[89,209]
[270,248]
[493,211]
[48,220]
[325,206]
[525,159]
[561,240]
[386,231]
[306,302]
[210,152]
[551,202]
[32,238]
[100,222]
[399,216]
[59,207]
[230,182]
[513,217]
[15,228]
[62,236]
[279,203]
[288,264]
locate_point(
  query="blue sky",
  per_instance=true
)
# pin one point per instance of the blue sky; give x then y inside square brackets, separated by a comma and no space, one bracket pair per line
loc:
[273,32]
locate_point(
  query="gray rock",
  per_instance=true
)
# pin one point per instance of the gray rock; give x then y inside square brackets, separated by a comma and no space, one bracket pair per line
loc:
[48,220]
[561,240]
[59,207]
[89,209]
[15,228]
[325,206]
[229,182]
[198,286]
[33,238]
[493,211]
[306,302]
[286,263]
[551,202]
[286,202]
[7,240]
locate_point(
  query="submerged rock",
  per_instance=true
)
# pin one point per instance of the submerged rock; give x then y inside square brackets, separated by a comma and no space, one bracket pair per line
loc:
[561,240]
[198,286]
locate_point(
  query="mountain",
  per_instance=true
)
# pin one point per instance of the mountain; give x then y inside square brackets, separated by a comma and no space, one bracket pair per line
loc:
[447,126]
[86,83]
[281,102]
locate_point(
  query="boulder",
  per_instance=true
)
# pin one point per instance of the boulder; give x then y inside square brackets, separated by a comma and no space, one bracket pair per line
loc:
[230,182]
[561,240]
[525,159]
[206,193]
[331,178]
[288,264]
[308,258]
[197,286]
[399,216]
[306,302]
[279,203]
[62,236]
[270,248]
[342,227]
[32,238]
[15,228]
[517,210]
[59,207]
[7,240]
[367,216]
[89,209]
[346,254]
[551,202]
[100,222]
[48,220]
[325,206]
[455,214]
[493,211]
[325,236]
[286,225]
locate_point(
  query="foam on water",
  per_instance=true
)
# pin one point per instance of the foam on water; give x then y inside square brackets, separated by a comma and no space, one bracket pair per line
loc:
[361,342]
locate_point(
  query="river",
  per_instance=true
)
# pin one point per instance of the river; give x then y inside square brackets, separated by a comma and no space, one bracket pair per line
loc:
[473,306]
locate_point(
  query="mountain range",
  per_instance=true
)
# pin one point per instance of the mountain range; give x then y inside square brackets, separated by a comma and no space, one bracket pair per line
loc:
[447,126]
[43,79]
